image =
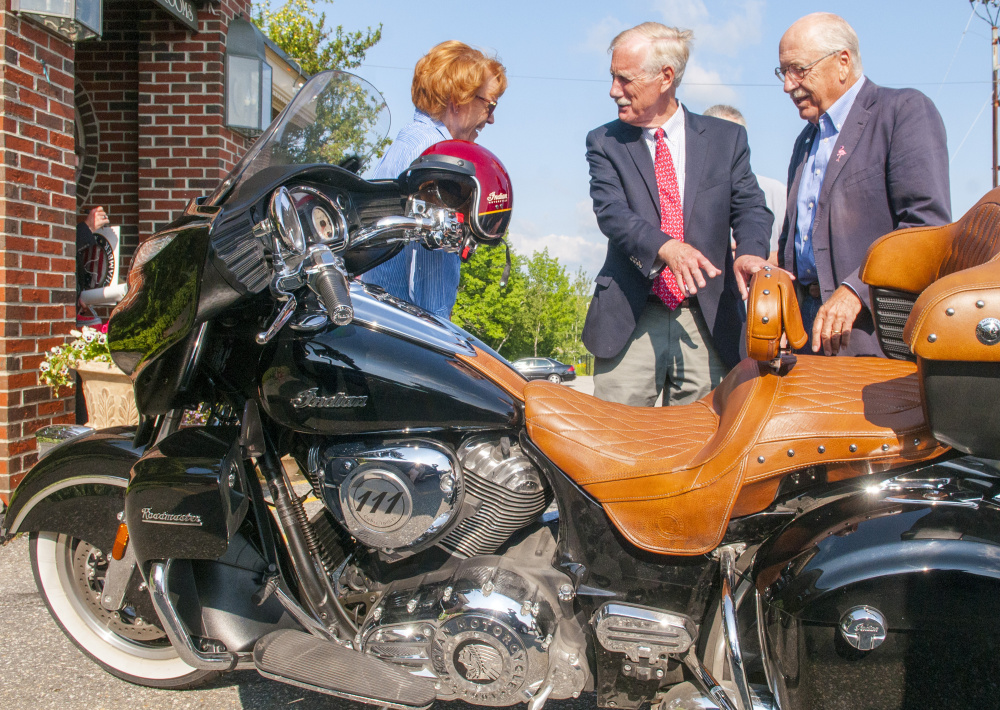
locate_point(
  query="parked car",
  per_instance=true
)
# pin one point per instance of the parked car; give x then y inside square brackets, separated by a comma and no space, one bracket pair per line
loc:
[545,368]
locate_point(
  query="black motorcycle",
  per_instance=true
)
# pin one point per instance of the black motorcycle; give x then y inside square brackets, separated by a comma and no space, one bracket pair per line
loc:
[815,533]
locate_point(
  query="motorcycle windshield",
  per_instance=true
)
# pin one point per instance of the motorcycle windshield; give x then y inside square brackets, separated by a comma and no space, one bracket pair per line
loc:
[334,117]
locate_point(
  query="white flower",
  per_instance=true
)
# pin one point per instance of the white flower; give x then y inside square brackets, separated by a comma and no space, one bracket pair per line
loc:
[44,367]
[102,338]
[64,370]
[57,350]
[76,333]
[89,335]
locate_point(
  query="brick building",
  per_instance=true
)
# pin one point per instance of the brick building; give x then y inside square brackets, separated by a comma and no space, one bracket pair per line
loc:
[132,121]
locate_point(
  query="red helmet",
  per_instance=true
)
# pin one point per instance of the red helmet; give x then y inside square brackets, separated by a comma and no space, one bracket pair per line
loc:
[469,178]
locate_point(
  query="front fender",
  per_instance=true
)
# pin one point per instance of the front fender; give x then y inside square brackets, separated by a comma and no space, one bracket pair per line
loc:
[78,489]
[925,556]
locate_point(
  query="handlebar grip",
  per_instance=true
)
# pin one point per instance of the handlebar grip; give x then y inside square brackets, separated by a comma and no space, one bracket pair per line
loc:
[331,286]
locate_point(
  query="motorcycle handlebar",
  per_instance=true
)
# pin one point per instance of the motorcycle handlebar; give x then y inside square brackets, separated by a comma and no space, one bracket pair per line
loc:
[329,281]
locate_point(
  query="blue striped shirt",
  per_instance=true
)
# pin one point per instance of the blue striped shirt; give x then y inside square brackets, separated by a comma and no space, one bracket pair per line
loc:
[423,277]
[811,184]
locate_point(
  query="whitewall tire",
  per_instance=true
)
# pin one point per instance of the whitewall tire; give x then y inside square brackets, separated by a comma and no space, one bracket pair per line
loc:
[130,648]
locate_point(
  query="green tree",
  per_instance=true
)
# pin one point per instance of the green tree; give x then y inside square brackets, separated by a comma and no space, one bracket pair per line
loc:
[491,313]
[344,116]
[301,33]
[572,348]
[548,303]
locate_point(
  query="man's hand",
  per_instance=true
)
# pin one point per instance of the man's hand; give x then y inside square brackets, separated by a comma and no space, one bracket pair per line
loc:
[97,219]
[746,266]
[834,320]
[686,263]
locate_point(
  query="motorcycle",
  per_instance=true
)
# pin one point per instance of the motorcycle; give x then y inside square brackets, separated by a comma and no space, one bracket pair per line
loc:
[817,532]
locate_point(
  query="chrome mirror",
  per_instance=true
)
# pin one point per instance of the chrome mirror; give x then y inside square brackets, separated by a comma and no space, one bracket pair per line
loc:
[286,220]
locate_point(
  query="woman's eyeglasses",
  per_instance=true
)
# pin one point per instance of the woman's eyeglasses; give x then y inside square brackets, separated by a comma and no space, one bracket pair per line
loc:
[491,106]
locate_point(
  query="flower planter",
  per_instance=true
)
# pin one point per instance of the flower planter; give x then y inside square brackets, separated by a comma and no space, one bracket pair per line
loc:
[109,395]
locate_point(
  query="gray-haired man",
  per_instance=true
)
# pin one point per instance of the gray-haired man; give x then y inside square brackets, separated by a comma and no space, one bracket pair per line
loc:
[668,185]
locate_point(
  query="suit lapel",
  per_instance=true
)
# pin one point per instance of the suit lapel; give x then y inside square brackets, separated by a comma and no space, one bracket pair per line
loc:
[847,139]
[801,152]
[636,145]
[695,152]
[843,151]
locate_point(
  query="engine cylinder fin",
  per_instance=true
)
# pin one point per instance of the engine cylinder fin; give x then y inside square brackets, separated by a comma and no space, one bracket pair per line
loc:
[501,513]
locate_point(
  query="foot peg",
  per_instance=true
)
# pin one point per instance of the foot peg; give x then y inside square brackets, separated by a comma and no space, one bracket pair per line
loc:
[313,663]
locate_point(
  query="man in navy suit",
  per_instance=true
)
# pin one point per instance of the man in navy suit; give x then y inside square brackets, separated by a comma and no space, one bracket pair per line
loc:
[871,160]
[668,185]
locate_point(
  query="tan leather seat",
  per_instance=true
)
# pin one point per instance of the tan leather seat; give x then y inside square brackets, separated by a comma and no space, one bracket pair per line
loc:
[953,268]
[669,477]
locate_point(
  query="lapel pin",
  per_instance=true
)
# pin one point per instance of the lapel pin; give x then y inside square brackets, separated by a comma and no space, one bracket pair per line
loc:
[841,153]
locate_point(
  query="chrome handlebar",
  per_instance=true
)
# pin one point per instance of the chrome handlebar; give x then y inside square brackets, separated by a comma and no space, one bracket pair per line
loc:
[322,269]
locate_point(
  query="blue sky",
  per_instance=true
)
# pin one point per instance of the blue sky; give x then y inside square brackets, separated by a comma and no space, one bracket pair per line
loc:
[557,63]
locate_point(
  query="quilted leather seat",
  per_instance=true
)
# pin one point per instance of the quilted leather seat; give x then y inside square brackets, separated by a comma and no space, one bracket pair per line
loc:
[669,477]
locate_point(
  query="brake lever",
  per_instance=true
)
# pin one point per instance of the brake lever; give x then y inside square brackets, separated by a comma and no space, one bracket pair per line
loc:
[283,315]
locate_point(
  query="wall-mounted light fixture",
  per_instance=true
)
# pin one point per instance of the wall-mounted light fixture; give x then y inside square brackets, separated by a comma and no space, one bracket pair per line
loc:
[76,20]
[248,79]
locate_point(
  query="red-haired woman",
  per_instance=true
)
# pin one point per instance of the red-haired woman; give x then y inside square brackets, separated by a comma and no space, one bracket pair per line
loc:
[455,90]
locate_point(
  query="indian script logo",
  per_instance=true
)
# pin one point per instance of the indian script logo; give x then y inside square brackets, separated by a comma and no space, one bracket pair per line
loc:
[495,198]
[311,399]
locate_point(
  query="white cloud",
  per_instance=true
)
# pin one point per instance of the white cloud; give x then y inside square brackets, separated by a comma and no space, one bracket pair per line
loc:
[572,251]
[703,87]
[728,27]
[584,246]
[601,33]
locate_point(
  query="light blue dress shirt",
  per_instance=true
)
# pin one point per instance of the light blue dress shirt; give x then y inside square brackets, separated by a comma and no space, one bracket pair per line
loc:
[426,278]
[811,182]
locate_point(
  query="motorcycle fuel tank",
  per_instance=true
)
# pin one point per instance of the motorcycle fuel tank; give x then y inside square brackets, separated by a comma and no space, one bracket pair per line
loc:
[393,369]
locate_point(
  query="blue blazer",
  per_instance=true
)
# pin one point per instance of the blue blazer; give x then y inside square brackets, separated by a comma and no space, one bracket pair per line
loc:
[720,193]
[892,174]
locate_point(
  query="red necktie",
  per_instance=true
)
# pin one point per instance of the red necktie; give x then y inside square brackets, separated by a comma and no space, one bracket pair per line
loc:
[671,219]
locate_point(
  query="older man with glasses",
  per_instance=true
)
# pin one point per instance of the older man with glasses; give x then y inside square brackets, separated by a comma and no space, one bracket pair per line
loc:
[870,160]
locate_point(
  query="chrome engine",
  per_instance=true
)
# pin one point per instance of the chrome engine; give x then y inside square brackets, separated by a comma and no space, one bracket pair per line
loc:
[487,627]
[400,497]
[490,631]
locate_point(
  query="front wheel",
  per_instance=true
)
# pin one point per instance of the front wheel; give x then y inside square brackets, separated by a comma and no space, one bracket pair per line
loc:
[129,643]
[554,378]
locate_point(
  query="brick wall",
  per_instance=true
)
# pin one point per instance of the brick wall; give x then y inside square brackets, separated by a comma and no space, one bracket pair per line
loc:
[36,232]
[155,94]
[184,148]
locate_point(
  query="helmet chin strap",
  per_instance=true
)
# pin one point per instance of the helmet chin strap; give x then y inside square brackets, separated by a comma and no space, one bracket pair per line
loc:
[506,269]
